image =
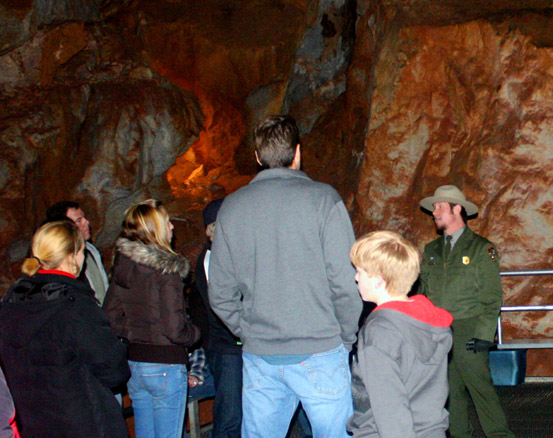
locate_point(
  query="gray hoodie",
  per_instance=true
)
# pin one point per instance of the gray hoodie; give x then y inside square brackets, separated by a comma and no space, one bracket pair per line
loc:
[399,376]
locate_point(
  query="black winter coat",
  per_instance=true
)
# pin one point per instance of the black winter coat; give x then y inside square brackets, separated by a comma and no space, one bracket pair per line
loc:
[145,303]
[61,358]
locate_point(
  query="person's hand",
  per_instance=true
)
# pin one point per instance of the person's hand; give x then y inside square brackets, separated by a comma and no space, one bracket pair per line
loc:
[478,345]
[193,381]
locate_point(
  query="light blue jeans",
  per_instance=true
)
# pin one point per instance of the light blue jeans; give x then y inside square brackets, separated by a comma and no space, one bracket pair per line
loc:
[158,394]
[271,394]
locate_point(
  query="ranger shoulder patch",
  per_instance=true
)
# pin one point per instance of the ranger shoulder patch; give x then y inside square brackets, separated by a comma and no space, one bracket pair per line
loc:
[492,253]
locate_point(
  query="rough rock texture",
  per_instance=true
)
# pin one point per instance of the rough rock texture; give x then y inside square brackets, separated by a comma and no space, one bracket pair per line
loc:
[20,20]
[470,105]
[83,118]
[103,145]
[112,101]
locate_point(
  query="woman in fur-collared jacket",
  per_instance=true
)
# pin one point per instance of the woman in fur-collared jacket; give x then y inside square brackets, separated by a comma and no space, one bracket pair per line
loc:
[145,305]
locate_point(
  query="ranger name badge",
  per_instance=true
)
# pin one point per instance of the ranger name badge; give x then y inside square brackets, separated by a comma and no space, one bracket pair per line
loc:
[466,260]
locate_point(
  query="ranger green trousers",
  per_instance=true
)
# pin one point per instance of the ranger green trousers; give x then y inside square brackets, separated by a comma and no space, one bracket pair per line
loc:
[469,373]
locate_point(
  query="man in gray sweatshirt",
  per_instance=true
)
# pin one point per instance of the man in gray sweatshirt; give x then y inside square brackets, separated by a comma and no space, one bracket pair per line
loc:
[281,280]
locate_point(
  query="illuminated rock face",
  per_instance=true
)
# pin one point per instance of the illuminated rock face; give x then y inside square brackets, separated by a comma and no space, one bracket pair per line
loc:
[468,105]
[82,117]
[111,102]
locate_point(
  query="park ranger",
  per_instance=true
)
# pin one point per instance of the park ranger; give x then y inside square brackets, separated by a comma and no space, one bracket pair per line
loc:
[460,273]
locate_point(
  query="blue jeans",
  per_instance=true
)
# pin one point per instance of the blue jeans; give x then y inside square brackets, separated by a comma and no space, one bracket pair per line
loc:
[271,394]
[227,409]
[158,394]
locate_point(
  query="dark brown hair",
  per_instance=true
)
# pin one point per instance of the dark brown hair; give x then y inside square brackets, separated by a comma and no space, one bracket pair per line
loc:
[276,138]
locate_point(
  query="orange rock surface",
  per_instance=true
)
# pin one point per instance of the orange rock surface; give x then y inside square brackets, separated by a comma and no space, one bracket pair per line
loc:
[111,102]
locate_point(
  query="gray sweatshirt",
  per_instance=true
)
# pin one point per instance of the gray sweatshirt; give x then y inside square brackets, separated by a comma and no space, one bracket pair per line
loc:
[280,274]
[399,377]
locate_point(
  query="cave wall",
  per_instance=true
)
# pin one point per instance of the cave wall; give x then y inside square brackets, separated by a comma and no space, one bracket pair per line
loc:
[468,104]
[111,101]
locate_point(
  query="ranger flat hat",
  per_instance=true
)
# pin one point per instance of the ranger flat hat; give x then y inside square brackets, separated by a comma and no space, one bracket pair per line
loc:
[449,194]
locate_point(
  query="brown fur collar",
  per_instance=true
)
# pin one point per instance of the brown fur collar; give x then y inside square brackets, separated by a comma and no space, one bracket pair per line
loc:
[153,256]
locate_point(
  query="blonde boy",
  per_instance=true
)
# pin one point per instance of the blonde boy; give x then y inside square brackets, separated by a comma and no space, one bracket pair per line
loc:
[399,380]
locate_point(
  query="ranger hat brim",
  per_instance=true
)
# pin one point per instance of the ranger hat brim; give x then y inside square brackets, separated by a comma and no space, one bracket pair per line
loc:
[451,194]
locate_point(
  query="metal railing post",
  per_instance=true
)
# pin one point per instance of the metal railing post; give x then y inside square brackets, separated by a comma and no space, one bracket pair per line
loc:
[522,343]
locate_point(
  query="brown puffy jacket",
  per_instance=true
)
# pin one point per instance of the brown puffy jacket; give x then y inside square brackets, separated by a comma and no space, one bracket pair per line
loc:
[145,303]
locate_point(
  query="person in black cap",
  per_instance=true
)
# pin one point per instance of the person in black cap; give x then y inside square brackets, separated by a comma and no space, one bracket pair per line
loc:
[224,350]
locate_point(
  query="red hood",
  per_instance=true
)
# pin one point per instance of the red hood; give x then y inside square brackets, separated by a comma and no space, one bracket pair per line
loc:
[420,308]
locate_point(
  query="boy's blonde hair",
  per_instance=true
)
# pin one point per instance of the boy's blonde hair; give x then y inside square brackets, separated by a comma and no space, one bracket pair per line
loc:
[389,255]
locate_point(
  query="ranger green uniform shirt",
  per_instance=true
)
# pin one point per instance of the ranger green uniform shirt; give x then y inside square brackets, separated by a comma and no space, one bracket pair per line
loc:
[467,284]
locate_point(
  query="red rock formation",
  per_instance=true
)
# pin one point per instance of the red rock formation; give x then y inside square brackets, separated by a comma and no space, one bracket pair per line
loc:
[80,119]
[470,105]
[108,102]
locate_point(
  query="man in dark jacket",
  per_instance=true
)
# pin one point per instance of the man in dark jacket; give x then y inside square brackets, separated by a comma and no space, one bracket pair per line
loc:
[280,278]
[224,350]
[460,273]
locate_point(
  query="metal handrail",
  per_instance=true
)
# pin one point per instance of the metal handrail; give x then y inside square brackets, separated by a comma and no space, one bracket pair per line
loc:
[524,343]
[521,273]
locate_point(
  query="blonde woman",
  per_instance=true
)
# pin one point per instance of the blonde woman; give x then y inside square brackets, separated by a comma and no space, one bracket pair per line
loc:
[145,304]
[59,353]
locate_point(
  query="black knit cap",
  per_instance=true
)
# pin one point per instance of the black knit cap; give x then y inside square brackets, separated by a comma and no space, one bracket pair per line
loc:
[211,210]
